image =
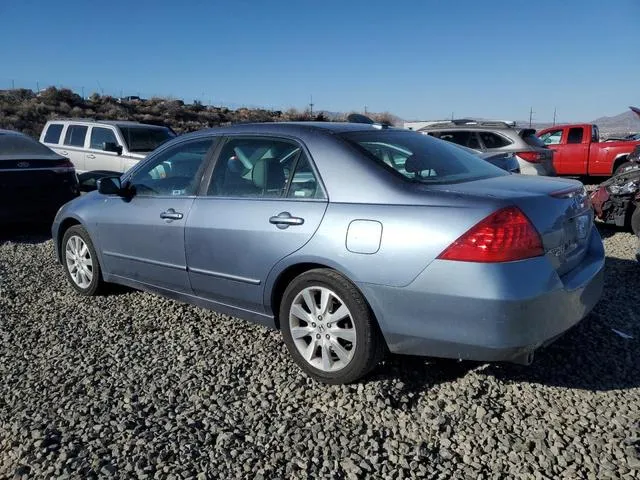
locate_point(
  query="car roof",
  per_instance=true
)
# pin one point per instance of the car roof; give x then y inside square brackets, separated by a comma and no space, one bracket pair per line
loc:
[290,128]
[11,132]
[117,123]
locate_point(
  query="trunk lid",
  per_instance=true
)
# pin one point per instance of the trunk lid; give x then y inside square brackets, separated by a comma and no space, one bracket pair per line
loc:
[559,209]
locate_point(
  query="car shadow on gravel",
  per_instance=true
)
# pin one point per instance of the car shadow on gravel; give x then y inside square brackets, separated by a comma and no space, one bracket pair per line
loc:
[608,230]
[28,233]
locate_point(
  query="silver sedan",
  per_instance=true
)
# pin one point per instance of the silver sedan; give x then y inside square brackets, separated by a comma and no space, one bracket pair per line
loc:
[352,239]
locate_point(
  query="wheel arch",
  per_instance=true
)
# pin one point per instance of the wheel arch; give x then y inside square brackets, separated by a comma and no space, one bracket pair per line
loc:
[619,160]
[65,225]
[275,288]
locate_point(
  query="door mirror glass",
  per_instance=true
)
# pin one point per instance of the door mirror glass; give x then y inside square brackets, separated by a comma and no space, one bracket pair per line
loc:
[109,185]
[112,147]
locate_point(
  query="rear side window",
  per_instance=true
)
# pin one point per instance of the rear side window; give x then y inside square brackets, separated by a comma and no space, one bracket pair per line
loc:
[53,133]
[464,138]
[75,135]
[100,136]
[492,140]
[263,168]
[575,135]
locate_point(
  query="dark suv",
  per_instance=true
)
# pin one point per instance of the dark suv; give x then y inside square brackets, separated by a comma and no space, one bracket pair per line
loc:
[496,136]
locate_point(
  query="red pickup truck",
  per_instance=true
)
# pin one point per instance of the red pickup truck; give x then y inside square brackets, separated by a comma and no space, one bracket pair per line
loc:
[578,150]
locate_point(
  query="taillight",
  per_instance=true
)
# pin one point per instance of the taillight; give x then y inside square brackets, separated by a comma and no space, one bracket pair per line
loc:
[531,157]
[504,236]
[64,166]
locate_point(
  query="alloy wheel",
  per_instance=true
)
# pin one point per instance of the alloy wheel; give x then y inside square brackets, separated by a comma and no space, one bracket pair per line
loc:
[322,329]
[79,261]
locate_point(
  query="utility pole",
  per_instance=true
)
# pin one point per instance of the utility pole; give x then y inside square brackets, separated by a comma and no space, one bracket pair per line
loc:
[365,109]
[13,84]
[82,93]
[452,116]
[554,116]
[530,116]
[311,105]
[37,87]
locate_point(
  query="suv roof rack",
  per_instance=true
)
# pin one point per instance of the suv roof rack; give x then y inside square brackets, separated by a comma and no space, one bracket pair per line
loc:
[459,122]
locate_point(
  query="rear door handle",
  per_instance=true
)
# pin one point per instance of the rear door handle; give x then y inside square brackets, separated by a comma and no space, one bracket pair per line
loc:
[284,220]
[171,214]
[91,155]
[64,152]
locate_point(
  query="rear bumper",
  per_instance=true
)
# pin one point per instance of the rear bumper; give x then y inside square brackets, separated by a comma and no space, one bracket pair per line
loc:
[487,312]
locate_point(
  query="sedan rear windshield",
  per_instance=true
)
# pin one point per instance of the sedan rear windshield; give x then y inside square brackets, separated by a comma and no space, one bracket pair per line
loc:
[145,139]
[421,158]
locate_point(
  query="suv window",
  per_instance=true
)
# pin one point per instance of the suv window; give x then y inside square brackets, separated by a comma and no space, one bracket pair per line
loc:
[554,137]
[100,136]
[492,140]
[53,133]
[75,135]
[262,167]
[174,172]
[464,138]
[140,138]
[575,135]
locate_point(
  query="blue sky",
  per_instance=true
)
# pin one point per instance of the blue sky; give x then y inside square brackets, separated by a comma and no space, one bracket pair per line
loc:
[417,59]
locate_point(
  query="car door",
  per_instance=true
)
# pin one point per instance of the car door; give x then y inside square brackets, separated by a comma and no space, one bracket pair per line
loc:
[555,140]
[73,146]
[264,201]
[141,236]
[98,157]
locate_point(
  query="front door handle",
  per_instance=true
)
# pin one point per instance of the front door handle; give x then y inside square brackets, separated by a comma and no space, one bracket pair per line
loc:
[64,152]
[284,220]
[91,156]
[171,214]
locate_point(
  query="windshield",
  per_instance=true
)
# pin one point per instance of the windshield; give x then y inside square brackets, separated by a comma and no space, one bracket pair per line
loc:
[145,139]
[422,158]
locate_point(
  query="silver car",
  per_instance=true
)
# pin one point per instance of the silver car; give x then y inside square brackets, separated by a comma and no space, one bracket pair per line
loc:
[533,156]
[351,239]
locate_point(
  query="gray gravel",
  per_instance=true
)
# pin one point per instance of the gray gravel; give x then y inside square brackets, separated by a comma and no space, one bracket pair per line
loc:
[133,385]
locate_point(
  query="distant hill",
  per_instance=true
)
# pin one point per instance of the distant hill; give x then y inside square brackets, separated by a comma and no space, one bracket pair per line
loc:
[26,111]
[622,124]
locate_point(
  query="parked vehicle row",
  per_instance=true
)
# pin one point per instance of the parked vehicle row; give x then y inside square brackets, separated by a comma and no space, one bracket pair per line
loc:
[352,239]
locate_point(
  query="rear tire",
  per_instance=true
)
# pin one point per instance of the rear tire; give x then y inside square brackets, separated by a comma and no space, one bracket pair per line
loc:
[80,262]
[328,327]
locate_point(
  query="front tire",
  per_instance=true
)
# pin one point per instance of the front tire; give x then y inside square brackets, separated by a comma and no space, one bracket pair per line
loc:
[624,166]
[80,261]
[328,327]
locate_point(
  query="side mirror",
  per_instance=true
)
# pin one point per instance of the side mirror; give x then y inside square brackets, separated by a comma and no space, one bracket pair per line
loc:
[112,147]
[109,186]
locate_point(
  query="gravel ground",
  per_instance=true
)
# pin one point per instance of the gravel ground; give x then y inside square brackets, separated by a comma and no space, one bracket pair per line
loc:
[133,385]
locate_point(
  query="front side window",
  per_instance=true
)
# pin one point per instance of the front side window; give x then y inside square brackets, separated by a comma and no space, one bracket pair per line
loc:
[492,140]
[595,134]
[174,172]
[263,168]
[554,137]
[100,136]
[421,158]
[140,138]
[575,135]
[53,133]
[75,135]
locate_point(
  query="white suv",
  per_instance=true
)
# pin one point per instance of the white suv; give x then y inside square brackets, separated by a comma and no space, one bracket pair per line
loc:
[112,146]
